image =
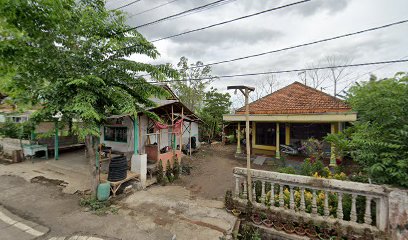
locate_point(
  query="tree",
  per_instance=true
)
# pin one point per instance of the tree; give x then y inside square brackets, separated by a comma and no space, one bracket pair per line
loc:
[380,138]
[191,90]
[72,57]
[337,73]
[215,105]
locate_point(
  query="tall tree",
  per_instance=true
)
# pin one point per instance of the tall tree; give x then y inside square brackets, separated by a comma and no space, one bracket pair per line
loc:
[379,139]
[71,56]
[194,80]
[216,104]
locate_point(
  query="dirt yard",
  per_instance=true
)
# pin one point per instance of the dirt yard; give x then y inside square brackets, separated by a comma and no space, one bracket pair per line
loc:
[211,173]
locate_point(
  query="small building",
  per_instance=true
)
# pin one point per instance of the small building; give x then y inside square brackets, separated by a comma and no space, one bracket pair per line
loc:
[292,114]
[141,134]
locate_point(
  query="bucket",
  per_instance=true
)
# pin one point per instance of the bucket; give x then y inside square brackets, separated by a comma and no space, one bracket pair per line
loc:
[103,191]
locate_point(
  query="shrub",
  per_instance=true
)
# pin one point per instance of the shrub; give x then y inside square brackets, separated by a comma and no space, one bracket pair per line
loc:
[160,173]
[169,172]
[288,170]
[228,200]
[176,168]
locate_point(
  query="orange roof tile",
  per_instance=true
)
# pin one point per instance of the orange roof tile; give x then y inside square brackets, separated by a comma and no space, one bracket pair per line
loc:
[296,98]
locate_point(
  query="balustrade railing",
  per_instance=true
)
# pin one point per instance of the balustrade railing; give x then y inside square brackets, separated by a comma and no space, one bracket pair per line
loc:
[317,197]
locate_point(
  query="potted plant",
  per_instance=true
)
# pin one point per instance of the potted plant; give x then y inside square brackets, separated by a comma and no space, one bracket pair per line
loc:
[236,212]
[289,228]
[323,236]
[311,230]
[267,222]
[256,218]
[228,201]
[351,235]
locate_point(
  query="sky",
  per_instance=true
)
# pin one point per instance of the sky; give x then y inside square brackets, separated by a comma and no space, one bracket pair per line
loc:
[282,28]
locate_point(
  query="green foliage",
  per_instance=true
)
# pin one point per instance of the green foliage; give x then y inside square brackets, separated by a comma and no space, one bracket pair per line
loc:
[169,172]
[73,59]
[190,91]
[98,207]
[309,168]
[215,105]
[228,200]
[380,138]
[160,173]
[249,232]
[176,169]
[288,170]
[15,130]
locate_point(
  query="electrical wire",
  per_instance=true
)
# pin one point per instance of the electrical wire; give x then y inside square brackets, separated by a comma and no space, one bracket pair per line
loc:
[284,71]
[307,44]
[232,20]
[133,2]
[153,8]
[177,14]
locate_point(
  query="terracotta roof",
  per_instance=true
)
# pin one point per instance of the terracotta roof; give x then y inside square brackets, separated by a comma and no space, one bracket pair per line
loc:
[296,98]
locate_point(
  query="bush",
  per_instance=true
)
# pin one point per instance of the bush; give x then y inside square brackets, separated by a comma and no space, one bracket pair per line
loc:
[309,168]
[228,200]
[288,170]
[169,172]
[15,130]
[96,206]
[176,169]
[160,173]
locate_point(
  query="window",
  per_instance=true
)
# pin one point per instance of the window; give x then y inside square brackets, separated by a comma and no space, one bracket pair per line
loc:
[265,134]
[115,134]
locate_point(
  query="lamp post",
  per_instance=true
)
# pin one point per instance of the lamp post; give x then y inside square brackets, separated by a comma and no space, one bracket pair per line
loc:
[246,90]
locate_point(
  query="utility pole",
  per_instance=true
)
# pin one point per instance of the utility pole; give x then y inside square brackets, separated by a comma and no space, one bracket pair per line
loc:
[246,90]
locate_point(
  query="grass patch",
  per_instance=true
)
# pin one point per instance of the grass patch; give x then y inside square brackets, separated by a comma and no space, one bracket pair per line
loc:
[98,207]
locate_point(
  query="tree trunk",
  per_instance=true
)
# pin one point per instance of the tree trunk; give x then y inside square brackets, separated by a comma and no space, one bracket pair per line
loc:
[91,143]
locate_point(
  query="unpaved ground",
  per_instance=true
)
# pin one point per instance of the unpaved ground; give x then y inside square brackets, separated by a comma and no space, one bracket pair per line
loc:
[211,173]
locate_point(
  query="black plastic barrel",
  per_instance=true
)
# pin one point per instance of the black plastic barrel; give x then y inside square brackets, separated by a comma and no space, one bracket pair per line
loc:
[117,169]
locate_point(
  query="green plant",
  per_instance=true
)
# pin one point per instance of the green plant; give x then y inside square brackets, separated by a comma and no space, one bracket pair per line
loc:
[248,210]
[228,200]
[160,173]
[176,168]
[98,207]
[287,170]
[169,172]
[309,167]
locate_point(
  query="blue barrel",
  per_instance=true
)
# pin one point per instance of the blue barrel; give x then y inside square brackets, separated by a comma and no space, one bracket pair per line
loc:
[103,191]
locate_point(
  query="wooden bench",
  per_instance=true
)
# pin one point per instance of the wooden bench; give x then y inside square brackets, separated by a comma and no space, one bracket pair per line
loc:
[114,186]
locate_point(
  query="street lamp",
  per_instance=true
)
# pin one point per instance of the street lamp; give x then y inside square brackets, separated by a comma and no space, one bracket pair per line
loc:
[246,90]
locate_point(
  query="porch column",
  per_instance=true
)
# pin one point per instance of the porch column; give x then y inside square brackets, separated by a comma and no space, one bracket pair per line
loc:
[135,135]
[239,138]
[333,147]
[287,134]
[277,141]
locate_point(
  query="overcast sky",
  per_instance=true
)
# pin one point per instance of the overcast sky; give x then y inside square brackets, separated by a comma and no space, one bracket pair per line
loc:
[294,25]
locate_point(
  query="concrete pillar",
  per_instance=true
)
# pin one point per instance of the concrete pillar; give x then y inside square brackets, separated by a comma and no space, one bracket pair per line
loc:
[277,141]
[287,134]
[333,148]
[239,139]
[139,166]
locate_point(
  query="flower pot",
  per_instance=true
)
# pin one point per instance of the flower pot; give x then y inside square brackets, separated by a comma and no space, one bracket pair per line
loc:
[236,212]
[256,219]
[268,223]
[311,233]
[288,228]
[324,236]
[229,210]
[278,226]
[300,231]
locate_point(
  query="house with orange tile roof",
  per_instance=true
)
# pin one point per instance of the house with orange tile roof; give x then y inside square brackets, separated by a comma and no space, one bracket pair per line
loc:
[291,115]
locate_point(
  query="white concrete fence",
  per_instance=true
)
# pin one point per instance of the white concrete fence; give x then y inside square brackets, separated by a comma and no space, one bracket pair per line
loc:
[280,181]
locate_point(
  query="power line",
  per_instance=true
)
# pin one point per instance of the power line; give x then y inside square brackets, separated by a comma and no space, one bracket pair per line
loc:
[232,20]
[175,15]
[133,2]
[285,71]
[153,8]
[306,44]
